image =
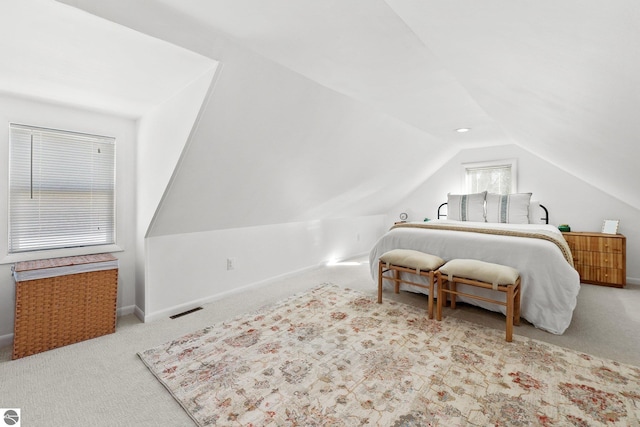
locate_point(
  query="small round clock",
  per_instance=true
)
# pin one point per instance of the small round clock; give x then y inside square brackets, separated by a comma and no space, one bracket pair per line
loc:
[403,216]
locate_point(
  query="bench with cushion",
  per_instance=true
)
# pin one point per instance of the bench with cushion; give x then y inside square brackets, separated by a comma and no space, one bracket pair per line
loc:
[483,275]
[399,261]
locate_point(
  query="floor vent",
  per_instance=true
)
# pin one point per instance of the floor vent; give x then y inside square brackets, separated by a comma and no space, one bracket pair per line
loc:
[184,313]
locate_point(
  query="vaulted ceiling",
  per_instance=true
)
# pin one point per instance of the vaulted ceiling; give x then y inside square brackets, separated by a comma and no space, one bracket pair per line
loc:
[560,79]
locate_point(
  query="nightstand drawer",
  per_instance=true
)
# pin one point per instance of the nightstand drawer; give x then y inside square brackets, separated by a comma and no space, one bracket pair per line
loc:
[598,259]
[598,275]
[595,244]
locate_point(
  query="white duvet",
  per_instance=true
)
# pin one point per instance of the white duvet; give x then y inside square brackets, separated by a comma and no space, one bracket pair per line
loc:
[550,285]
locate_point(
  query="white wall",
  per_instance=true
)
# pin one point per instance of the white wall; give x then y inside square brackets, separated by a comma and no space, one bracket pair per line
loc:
[162,135]
[278,174]
[569,199]
[190,269]
[32,112]
[275,147]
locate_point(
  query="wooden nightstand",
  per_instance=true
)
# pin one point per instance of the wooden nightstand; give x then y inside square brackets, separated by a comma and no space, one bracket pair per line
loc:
[600,259]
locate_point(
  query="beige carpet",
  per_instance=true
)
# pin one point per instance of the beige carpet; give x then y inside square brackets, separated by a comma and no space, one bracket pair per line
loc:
[101,382]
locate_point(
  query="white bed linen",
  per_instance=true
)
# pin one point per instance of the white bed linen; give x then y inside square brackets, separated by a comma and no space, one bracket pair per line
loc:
[549,284]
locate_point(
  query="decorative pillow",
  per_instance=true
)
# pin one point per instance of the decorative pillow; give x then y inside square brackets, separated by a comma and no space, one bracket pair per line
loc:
[535,213]
[466,207]
[508,208]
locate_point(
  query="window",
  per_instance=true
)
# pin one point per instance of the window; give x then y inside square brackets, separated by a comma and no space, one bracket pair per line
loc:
[61,189]
[495,177]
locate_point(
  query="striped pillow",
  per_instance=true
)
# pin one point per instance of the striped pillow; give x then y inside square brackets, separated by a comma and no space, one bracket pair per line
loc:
[466,207]
[508,208]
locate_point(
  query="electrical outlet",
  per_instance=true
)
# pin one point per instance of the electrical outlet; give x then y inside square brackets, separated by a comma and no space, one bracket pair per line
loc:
[231,263]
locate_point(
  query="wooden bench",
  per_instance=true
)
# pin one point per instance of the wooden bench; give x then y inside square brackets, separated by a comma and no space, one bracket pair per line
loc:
[483,275]
[399,261]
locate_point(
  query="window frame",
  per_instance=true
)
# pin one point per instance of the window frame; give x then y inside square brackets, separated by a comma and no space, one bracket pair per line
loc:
[489,164]
[9,257]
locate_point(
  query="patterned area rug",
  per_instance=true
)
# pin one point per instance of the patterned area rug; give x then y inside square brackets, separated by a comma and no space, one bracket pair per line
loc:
[335,357]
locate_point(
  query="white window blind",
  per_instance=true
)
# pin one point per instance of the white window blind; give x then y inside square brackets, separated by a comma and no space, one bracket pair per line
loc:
[61,189]
[494,176]
[494,179]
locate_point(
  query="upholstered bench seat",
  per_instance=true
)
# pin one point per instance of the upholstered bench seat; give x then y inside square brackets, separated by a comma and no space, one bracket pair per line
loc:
[481,274]
[400,261]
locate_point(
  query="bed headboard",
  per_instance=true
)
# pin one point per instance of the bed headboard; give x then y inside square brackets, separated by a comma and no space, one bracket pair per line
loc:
[544,218]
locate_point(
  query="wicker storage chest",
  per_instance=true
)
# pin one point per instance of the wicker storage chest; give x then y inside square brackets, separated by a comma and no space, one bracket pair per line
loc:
[62,301]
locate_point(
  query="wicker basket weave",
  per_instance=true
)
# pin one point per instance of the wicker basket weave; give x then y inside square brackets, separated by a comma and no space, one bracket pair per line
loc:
[55,311]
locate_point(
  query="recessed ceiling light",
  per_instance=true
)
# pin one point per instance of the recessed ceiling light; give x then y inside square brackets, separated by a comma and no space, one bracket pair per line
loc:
[463,130]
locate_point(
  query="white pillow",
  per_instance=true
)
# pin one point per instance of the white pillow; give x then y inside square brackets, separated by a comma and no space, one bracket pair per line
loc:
[466,207]
[508,208]
[536,213]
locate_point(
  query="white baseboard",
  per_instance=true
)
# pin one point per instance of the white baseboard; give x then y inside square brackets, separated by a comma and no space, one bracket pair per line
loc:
[633,281]
[123,311]
[139,313]
[6,340]
[211,298]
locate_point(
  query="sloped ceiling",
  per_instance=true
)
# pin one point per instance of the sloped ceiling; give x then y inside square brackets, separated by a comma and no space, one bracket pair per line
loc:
[360,48]
[560,79]
[59,54]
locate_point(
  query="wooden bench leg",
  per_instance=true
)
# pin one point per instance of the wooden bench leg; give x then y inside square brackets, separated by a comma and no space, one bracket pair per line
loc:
[512,303]
[516,306]
[432,276]
[441,297]
[431,295]
[510,312]
[396,274]
[379,282]
[452,286]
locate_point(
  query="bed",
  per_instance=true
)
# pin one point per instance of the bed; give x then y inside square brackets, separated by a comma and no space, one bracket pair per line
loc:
[550,283]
